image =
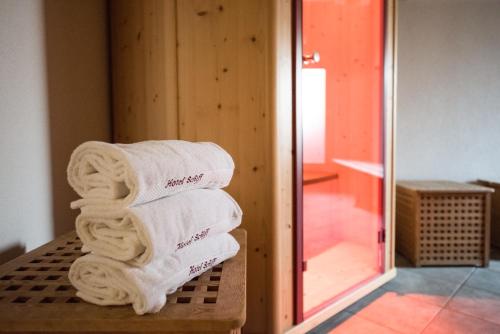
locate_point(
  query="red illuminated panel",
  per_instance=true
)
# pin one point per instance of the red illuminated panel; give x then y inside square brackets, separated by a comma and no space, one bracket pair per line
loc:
[343,136]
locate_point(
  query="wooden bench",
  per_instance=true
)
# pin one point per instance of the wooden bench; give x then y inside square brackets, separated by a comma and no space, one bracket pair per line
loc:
[36,296]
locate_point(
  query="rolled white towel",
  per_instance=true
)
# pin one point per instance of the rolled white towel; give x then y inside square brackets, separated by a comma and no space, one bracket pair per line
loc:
[142,233]
[131,174]
[103,281]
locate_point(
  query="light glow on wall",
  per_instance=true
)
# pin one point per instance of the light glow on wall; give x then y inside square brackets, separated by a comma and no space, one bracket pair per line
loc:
[314,114]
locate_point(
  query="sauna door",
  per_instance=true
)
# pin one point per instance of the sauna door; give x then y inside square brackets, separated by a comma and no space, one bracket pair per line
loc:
[339,131]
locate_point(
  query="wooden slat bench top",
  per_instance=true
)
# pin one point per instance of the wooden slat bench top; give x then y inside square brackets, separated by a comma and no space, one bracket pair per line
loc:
[442,186]
[36,296]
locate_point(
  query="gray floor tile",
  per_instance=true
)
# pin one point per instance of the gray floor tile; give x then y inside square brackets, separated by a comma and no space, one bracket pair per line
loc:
[478,303]
[448,322]
[448,274]
[471,298]
[401,313]
[485,279]
[495,265]
[331,323]
[495,259]
[413,284]
[358,325]
[362,303]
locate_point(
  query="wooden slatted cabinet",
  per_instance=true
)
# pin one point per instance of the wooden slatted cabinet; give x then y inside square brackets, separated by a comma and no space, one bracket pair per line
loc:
[443,223]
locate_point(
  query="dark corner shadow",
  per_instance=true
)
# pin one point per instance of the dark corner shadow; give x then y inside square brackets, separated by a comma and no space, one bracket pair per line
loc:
[495,253]
[11,252]
[76,43]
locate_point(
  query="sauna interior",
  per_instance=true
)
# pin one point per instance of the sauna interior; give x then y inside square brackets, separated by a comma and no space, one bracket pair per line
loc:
[312,139]
[342,148]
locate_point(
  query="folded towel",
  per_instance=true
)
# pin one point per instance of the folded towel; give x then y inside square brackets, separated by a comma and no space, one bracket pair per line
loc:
[131,174]
[141,233]
[103,281]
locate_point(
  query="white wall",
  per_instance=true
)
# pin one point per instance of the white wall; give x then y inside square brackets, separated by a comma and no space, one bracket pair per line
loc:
[448,89]
[53,95]
[25,185]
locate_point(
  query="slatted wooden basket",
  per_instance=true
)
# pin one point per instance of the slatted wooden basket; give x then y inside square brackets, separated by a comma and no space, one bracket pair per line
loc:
[443,223]
[36,296]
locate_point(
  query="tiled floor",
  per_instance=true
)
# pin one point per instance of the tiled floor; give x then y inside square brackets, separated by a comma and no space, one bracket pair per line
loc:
[452,300]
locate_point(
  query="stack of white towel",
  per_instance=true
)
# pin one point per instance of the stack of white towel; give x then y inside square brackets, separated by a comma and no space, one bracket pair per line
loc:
[152,217]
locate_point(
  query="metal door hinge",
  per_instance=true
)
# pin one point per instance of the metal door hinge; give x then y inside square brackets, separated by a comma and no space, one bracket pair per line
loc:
[381,236]
[304,265]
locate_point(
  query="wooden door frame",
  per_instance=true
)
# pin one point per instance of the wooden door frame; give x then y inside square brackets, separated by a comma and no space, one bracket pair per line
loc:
[388,107]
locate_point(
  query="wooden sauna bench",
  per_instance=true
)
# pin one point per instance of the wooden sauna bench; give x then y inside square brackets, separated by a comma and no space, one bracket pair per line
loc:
[310,177]
[36,296]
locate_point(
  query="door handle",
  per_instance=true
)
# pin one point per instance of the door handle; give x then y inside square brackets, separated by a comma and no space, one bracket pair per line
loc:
[312,58]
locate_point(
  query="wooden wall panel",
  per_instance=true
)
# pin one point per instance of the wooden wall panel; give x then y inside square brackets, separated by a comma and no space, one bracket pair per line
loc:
[201,70]
[144,69]
[224,96]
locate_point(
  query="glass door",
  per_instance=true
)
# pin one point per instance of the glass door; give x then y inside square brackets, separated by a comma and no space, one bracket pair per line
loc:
[340,88]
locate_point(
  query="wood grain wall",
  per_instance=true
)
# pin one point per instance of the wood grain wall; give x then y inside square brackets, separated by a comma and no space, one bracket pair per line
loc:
[201,70]
[144,70]
[223,78]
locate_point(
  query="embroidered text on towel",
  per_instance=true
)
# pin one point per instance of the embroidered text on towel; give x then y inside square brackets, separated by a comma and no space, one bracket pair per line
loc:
[185,180]
[195,237]
[204,265]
